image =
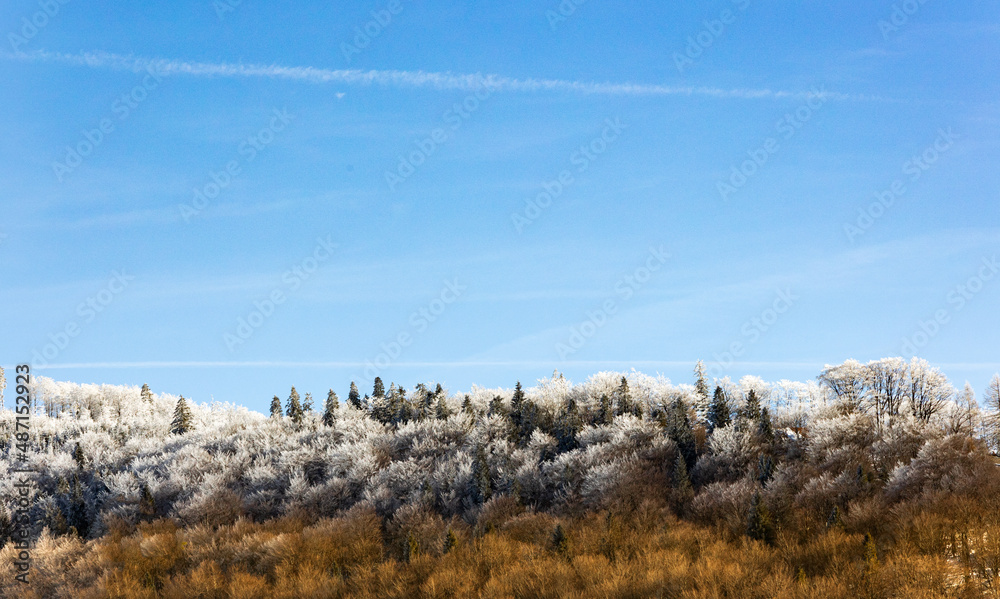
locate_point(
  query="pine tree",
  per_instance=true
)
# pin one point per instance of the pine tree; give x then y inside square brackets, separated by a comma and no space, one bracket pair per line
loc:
[183,422]
[568,426]
[751,410]
[624,398]
[307,403]
[275,407]
[719,410]
[702,400]
[517,414]
[681,483]
[147,503]
[442,408]
[760,525]
[78,457]
[560,542]
[765,430]
[481,473]
[353,397]
[294,409]
[467,405]
[330,409]
[680,430]
[450,541]
[77,517]
[496,406]
[379,389]
[607,414]
[146,394]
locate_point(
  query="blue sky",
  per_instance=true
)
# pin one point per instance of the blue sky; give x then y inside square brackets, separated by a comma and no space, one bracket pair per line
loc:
[713,173]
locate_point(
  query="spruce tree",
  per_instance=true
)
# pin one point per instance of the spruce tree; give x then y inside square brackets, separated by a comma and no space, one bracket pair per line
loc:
[751,410]
[681,483]
[517,410]
[719,410]
[680,430]
[330,409]
[496,406]
[467,405]
[481,476]
[624,399]
[702,400]
[379,388]
[353,397]
[568,426]
[294,409]
[146,395]
[147,503]
[78,457]
[77,517]
[760,525]
[764,427]
[607,413]
[275,407]
[183,421]
[442,411]
[307,403]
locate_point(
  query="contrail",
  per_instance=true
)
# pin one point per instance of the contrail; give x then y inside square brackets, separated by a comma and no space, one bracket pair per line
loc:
[441,364]
[410,79]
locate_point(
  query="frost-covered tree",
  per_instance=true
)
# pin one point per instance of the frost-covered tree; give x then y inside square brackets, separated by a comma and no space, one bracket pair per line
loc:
[354,397]
[307,403]
[442,411]
[568,426]
[482,483]
[467,405]
[183,421]
[378,389]
[146,394]
[275,407]
[3,384]
[330,408]
[701,399]
[294,407]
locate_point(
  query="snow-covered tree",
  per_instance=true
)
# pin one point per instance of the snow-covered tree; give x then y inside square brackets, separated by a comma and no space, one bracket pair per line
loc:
[330,408]
[182,422]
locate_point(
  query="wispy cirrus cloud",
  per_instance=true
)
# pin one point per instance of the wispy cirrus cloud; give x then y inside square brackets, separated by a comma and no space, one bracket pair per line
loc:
[411,79]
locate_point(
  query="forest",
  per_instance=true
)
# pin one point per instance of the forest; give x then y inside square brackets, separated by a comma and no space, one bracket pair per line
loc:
[873,480]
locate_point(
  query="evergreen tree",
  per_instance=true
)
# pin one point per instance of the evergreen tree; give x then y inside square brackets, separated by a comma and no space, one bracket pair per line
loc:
[78,457]
[481,473]
[450,541]
[702,400]
[751,410]
[680,430]
[146,394]
[496,406]
[183,421]
[77,517]
[379,389]
[681,482]
[765,430]
[760,525]
[568,426]
[147,503]
[719,410]
[442,408]
[330,409]
[517,415]
[560,542]
[275,407]
[294,408]
[467,405]
[607,414]
[624,398]
[307,403]
[353,397]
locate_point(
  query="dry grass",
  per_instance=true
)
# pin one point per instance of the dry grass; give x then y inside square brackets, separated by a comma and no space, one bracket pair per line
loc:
[950,552]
